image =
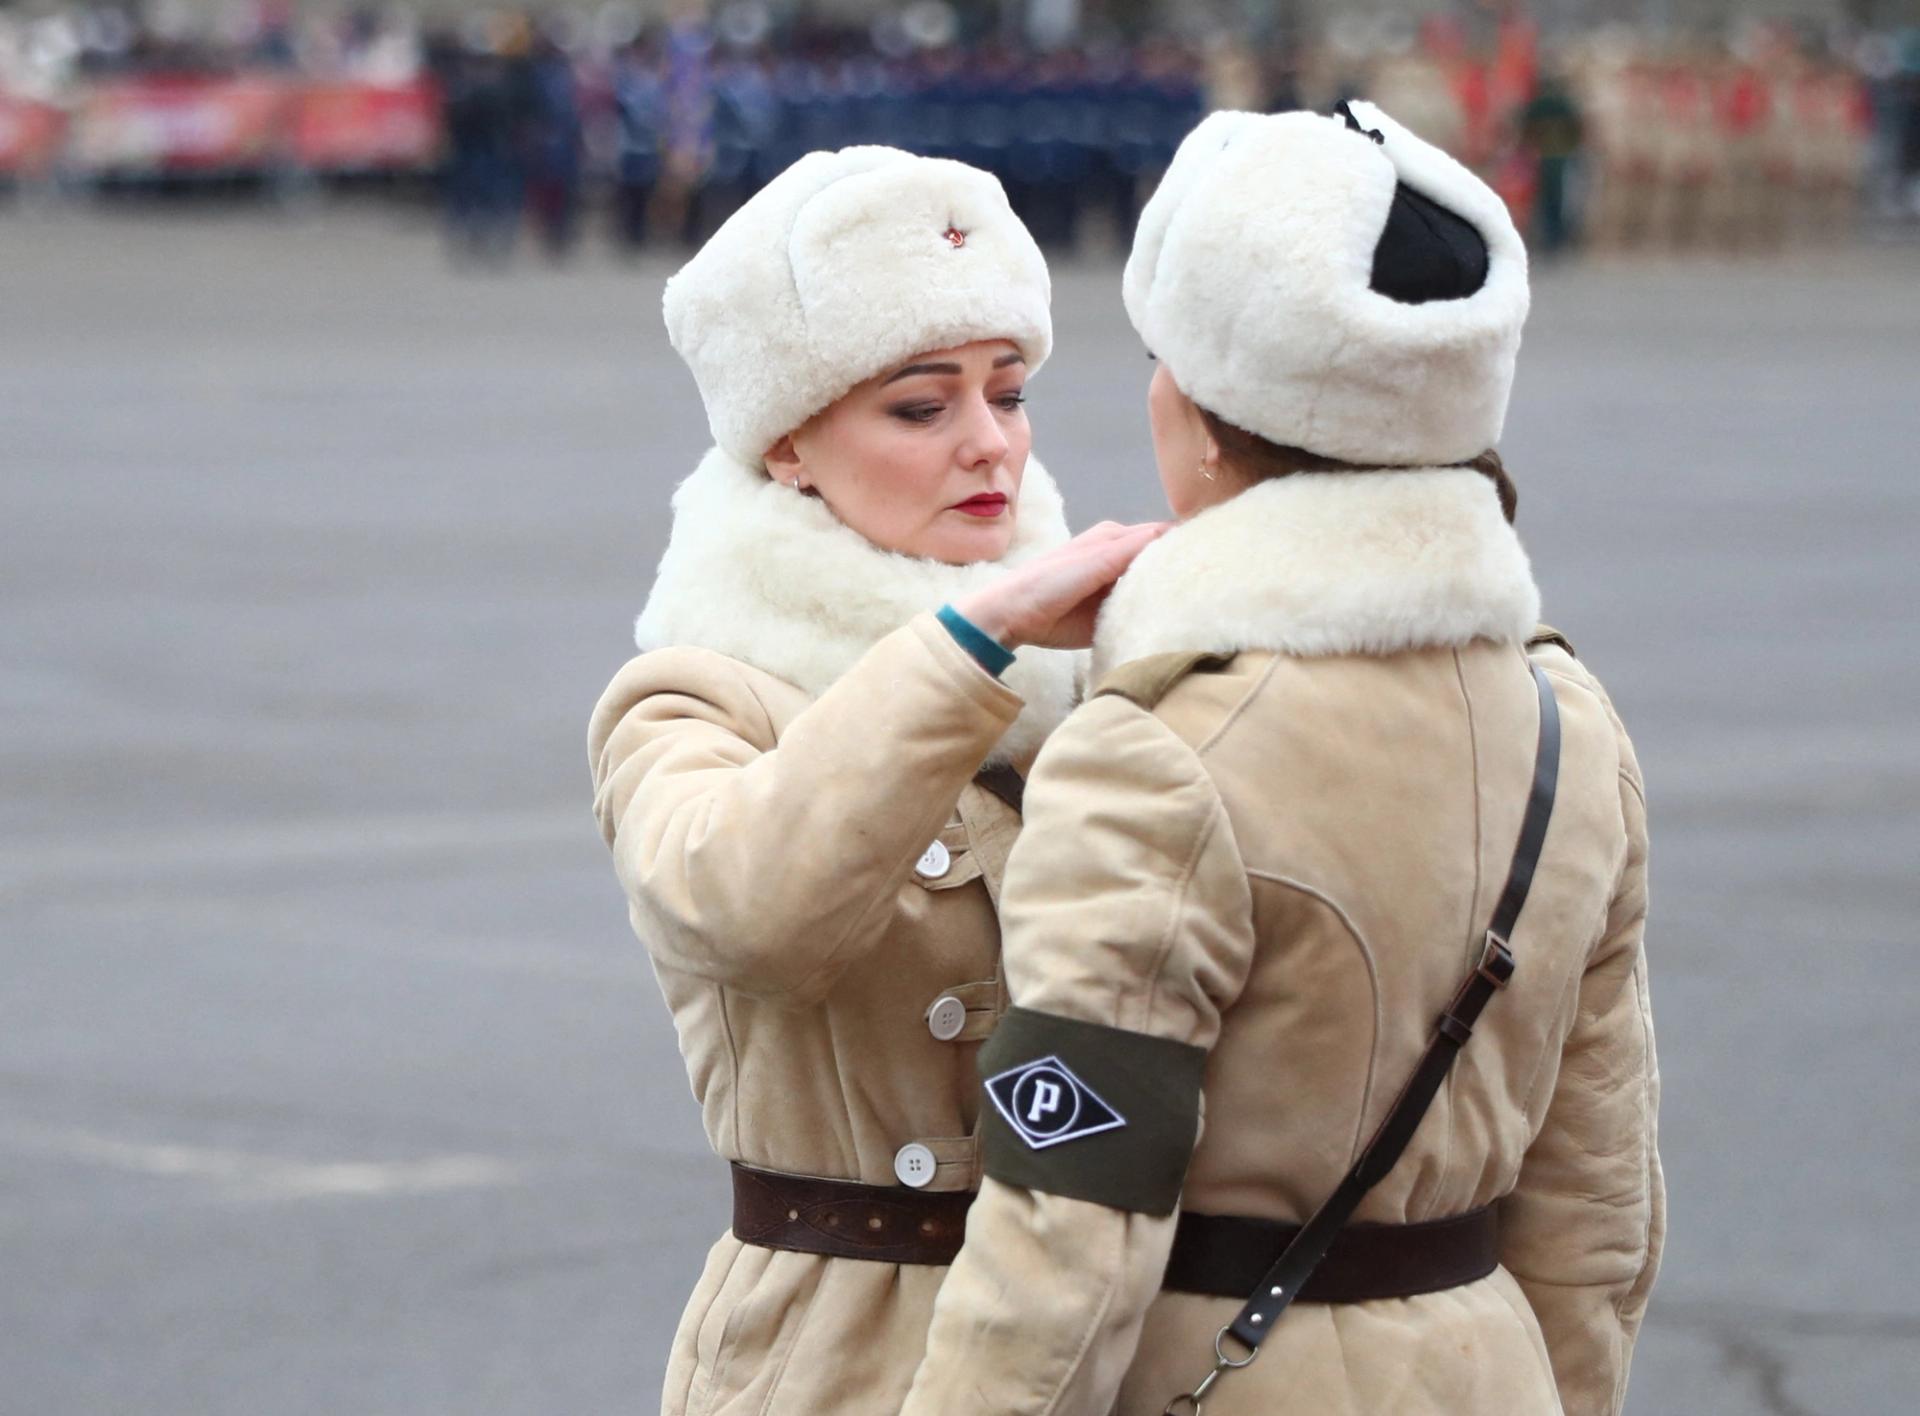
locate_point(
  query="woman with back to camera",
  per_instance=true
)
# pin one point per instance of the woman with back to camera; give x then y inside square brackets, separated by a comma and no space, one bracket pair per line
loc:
[1342,841]
[810,778]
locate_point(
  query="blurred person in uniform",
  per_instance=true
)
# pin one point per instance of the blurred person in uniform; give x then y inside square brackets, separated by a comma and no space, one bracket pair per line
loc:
[1839,117]
[1624,127]
[1127,129]
[1907,109]
[1892,64]
[483,105]
[274,35]
[1443,38]
[1747,192]
[687,105]
[1418,87]
[1797,143]
[1048,146]
[811,775]
[1689,160]
[1165,78]
[1232,76]
[1552,134]
[1334,783]
[639,100]
[555,146]
[1512,79]
[1822,121]
[746,121]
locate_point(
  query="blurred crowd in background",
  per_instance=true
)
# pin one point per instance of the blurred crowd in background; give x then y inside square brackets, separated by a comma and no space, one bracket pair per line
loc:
[612,123]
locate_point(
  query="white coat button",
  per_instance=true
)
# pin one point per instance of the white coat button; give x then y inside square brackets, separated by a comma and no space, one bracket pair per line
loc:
[934,863]
[913,1164]
[946,1018]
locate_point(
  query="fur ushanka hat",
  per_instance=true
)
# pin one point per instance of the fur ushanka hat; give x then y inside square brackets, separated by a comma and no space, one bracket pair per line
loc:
[845,264]
[1333,284]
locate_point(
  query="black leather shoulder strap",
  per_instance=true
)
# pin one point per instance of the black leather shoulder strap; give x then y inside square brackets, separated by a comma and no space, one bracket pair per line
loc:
[1296,1264]
[1533,826]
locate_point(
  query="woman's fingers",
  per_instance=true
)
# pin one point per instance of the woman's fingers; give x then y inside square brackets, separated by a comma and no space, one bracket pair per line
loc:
[1100,562]
[1051,599]
[1116,553]
[1110,530]
[1066,594]
[1103,543]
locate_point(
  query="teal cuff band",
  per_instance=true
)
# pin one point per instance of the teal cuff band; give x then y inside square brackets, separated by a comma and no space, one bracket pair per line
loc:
[987,651]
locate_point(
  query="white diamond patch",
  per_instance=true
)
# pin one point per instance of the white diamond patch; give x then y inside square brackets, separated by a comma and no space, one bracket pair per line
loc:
[1048,1105]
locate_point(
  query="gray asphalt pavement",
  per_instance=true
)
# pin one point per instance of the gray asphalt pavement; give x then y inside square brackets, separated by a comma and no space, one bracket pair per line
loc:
[331,1080]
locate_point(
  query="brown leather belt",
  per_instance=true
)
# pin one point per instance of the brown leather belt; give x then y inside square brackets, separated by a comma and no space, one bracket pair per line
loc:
[844,1219]
[1221,1255]
[1227,1256]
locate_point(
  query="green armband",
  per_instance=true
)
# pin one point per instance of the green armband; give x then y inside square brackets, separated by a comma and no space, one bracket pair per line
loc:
[1090,1112]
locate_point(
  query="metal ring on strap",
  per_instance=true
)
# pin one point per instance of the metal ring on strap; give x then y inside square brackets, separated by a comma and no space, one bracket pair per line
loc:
[1221,1364]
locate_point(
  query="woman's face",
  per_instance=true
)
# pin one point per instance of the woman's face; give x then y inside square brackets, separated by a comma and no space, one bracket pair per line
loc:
[925,459]
[1189,459]
[1187,455]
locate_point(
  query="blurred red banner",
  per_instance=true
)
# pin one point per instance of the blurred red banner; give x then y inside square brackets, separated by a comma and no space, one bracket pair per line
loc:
[30,136]
[166,125]
[363,127]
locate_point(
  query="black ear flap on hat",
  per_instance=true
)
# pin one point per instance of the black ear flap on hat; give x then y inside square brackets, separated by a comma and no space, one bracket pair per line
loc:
[1425,252]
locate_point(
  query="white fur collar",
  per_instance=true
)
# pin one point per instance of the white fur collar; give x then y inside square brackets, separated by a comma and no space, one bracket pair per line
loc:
[762,574]
[1328,563]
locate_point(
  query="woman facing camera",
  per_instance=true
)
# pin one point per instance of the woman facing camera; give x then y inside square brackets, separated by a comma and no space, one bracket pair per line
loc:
[810,779]
[1342,843]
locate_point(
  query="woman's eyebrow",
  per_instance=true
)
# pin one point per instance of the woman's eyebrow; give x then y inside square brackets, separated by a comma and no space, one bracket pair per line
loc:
[1002,362]
[922,369]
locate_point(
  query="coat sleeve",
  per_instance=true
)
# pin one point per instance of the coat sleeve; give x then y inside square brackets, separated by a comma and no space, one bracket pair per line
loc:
[1582,1231]
[771,867]
[1126,904]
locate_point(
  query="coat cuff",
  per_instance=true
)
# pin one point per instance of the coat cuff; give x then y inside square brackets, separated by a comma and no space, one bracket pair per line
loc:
[969,678]
[988,652]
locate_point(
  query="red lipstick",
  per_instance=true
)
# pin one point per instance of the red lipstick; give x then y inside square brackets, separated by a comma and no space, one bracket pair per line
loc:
[987,504]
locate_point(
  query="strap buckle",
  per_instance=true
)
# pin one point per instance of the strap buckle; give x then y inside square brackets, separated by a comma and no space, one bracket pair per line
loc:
[1188,1403]
[1497,963]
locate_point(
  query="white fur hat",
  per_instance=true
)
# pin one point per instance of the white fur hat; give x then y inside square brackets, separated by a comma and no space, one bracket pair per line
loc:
[1252,277]
[845,264]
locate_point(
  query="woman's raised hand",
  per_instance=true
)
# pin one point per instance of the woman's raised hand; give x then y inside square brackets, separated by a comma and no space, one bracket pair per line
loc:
[1053,599]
